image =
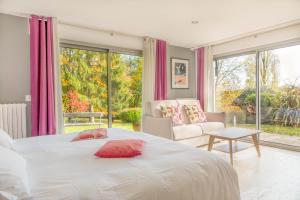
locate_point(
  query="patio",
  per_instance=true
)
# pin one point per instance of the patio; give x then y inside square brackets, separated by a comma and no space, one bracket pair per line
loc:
[285,141]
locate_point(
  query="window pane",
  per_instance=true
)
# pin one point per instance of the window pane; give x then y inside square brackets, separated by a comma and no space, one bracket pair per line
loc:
[235,87]
[84,88]
[280,93]
[126,90]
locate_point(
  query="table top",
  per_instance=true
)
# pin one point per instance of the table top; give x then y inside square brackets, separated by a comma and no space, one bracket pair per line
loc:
[233,133]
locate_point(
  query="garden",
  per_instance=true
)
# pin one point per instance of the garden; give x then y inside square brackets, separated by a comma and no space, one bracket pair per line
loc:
[279,97]
[280,111]
[85,77]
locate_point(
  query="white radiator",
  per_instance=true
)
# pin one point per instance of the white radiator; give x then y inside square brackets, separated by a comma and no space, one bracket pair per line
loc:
[13,119]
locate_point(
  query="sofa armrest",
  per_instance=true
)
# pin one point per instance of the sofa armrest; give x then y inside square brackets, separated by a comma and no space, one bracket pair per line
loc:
[157,126]
[216,117]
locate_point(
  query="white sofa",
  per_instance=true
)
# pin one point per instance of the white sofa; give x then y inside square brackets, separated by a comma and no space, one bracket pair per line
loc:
[191,134]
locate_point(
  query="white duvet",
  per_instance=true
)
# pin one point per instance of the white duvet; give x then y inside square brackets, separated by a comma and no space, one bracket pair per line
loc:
[60,169]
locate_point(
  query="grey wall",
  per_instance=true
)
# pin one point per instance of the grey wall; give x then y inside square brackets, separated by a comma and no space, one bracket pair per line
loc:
[14,61]
[184,53]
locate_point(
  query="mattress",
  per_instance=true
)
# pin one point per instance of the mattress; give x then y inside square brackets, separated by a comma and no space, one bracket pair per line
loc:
[60,169]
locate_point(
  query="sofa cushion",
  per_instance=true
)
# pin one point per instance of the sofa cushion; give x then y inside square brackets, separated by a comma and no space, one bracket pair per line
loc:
[187,102]
[156,105]
[172,112]
[211,126]
[195,141]
[167,111]
[187,131]
[195,114]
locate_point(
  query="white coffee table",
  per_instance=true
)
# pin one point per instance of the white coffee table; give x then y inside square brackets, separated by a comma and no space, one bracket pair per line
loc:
[231,134]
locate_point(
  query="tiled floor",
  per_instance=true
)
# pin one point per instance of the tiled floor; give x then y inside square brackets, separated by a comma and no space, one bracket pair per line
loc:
[273,176]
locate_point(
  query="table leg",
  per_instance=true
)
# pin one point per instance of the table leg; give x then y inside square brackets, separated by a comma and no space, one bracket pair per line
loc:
[256,143]
[210,142]
[230,152]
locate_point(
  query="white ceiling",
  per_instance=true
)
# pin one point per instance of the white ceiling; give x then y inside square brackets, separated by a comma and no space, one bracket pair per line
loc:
[166,19]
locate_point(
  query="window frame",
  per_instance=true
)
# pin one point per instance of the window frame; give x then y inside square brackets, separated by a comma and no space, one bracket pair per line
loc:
[106,49]
[257,51]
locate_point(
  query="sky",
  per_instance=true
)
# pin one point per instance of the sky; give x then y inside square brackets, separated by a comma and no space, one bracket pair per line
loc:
[289,64]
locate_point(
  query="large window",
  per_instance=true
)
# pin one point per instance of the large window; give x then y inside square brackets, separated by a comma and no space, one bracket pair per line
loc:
[235,85]
[100,88]
[126,99]
[280,91]
[262,90]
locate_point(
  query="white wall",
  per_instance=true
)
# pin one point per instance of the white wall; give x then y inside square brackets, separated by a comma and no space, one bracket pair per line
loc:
[70,32]
[282,36]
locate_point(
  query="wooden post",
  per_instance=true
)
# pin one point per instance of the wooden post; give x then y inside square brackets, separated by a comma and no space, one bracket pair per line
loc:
[92,119]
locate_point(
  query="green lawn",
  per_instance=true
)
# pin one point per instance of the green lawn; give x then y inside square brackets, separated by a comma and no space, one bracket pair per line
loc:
[268,128]
[116,124]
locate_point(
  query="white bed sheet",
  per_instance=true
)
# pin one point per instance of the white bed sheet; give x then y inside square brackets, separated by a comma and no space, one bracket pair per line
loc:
[60,169]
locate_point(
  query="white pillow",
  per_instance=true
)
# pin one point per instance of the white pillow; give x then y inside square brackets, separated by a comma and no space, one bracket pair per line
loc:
[5,140]
[13,174]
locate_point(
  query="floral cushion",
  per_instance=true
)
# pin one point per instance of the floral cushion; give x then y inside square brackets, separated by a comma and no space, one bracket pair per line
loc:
[195,114]
[172,112]
[166,111]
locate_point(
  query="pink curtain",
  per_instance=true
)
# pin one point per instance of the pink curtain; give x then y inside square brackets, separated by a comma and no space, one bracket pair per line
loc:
[160,92]
[200,76]
[42,76]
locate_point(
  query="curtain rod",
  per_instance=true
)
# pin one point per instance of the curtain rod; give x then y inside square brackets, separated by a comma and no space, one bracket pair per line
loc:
[107,31]
[17,14]
[251,34]
[23,15]
[111,32]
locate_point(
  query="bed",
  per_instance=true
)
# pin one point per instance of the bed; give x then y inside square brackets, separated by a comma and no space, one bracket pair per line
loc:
[60,169]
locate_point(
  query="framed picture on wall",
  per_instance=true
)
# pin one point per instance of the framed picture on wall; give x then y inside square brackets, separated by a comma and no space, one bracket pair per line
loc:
[179,73]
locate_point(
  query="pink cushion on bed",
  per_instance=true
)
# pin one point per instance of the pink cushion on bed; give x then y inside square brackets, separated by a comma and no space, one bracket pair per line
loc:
[121,149]
[91,134]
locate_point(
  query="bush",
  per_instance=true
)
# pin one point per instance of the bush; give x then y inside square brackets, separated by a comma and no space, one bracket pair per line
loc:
[132,115]
[288,114]
[250,99]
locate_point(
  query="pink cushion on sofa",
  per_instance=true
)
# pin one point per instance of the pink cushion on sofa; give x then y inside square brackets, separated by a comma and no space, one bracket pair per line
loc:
[156,106]
[121,149]
[202,115]
[91,134]
[189,102]
[177,116]
[172,112]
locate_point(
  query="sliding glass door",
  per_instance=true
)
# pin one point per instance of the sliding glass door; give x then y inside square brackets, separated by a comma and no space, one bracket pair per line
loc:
[280,95]
[84,88]
[235,87]
[262,90]
[100,88]
[126,91]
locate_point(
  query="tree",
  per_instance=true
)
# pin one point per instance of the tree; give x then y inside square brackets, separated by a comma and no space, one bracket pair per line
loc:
[136,82]
[269,63]
[226,73]
[84,76]
[126,82]
[120,83]
[85,72]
